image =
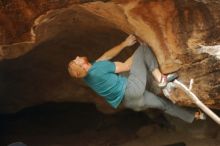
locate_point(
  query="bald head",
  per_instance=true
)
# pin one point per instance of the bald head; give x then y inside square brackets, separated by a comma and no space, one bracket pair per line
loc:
[78,67]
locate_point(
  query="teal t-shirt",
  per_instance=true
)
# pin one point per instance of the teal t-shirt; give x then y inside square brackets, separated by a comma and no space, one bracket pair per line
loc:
[102,79]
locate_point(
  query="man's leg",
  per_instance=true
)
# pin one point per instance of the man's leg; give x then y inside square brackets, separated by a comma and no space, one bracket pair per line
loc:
[137,98]
[137,76]
[152,65]
[150,100]
[150,58]
[143,56]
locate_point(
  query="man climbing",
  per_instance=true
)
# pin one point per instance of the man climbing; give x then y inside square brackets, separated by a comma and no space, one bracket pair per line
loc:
[103,77]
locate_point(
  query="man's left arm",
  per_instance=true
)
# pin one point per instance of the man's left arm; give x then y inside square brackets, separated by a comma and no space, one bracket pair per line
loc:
[129,41]
[123,66]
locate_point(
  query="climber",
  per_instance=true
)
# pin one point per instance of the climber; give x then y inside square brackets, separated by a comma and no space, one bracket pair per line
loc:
[103,76]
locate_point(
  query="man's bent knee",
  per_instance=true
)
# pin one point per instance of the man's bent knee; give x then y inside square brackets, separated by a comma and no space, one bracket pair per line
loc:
[136,105]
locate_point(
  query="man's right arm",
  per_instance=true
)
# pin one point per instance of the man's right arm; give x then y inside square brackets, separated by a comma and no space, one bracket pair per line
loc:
[129,41]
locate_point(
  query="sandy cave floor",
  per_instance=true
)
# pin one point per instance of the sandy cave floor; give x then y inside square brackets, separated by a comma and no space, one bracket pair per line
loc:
[81,125]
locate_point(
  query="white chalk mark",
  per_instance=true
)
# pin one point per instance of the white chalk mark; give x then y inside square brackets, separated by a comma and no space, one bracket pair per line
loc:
[211,50]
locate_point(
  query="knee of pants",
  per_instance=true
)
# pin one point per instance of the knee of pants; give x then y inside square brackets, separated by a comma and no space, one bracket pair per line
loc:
[136,105]
[135,108]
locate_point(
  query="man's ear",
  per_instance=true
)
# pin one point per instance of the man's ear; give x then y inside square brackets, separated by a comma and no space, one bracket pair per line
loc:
[77,74]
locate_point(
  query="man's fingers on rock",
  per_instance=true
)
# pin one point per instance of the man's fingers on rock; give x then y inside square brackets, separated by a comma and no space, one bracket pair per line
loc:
[133,37]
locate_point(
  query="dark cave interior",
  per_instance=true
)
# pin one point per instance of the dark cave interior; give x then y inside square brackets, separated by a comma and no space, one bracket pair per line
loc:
[70,124]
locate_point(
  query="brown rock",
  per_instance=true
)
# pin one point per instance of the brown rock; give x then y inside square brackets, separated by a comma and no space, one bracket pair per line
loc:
[39,38]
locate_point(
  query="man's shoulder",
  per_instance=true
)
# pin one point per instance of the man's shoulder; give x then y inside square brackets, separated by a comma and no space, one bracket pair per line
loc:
[102,67]
[103,62]
[98,69]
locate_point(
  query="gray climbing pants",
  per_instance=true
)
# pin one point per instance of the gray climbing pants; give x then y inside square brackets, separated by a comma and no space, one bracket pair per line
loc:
[136,95]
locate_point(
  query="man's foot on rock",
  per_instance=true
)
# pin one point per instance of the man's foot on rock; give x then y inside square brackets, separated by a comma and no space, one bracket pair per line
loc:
[165,79]
[200,115]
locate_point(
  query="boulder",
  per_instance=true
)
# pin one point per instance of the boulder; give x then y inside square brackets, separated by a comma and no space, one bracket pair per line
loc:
[38,39]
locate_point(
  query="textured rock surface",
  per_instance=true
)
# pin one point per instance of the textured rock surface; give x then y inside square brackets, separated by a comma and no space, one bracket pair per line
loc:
[37,39]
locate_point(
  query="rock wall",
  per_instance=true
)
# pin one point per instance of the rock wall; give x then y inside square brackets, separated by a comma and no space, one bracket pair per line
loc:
[37,39]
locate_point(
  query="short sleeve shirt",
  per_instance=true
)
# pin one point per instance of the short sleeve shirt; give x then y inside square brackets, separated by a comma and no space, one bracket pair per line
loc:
[104,81]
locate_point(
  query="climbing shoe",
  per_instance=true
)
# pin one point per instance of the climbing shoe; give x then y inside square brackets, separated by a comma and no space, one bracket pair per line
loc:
[166,79]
